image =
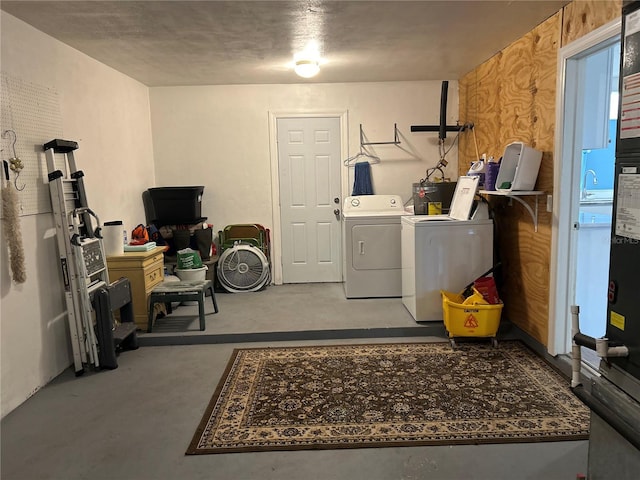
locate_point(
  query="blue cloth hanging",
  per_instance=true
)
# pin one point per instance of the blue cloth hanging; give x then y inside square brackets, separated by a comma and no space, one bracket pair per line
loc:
[362,179]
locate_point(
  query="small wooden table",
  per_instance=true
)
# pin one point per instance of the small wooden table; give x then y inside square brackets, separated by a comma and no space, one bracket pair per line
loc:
[168,292]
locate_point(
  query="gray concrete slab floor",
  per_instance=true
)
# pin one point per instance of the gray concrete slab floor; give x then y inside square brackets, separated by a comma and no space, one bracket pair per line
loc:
[135,422]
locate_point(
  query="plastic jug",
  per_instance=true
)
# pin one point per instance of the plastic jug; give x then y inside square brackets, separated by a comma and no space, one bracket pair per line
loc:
[478,168]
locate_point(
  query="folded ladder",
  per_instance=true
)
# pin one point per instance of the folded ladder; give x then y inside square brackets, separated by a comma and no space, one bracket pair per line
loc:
[82,256]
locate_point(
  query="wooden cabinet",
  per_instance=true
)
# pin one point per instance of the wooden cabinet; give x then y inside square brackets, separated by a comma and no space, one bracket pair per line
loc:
[144,270]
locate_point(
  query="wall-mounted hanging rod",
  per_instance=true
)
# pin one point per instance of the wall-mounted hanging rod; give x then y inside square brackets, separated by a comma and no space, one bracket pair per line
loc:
[436,128]
[443,128]
[396,139]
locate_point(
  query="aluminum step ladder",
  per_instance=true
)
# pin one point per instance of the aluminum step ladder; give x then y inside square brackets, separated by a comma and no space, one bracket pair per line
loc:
[82,255]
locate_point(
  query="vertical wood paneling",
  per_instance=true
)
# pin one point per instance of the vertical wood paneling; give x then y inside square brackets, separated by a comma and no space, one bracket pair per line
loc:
[516,100]
[546,42]
[511,97]
[487,99]
[468,86]
[584,16]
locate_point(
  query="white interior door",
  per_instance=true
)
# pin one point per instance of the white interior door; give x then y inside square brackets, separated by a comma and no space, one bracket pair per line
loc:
[310,201]
[584,162]
[596,165]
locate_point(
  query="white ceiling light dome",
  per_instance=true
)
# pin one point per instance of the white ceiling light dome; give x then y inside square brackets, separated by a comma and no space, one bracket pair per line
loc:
[307,63]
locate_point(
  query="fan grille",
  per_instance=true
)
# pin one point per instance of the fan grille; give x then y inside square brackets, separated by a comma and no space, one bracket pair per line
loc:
[243,268]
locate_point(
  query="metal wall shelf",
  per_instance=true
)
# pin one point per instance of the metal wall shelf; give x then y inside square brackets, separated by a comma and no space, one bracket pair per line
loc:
[515,195]
[396,138]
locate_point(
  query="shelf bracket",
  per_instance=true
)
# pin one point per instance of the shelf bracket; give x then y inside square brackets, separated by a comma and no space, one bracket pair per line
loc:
[533,212]
[396,138]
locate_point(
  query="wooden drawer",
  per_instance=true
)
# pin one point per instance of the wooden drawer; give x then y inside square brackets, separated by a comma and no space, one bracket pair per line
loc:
[153,275]
[157,258]
[136,260]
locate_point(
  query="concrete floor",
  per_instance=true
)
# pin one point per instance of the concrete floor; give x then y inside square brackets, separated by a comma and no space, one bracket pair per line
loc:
[136,422]
[308,311]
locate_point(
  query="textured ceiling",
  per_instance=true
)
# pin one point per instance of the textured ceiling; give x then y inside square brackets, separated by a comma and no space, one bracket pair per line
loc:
[162,43]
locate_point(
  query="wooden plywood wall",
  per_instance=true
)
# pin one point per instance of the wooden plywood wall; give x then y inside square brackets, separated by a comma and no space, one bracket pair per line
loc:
[584,16]
[511,97]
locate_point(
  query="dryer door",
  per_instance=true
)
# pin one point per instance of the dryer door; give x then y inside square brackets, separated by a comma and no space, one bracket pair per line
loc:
[376,247]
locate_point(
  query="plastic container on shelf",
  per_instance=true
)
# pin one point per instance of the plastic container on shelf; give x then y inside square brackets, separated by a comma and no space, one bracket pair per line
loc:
[479,168]
[491,175]
[519,168]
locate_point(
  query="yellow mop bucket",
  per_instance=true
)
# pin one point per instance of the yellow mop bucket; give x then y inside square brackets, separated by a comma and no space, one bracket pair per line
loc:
[470,317]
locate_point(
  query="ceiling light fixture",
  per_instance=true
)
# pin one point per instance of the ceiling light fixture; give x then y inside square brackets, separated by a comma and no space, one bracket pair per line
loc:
[307,64]
[307,68]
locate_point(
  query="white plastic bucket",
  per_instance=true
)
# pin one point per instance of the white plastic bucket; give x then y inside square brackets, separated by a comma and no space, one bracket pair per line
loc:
[191,274]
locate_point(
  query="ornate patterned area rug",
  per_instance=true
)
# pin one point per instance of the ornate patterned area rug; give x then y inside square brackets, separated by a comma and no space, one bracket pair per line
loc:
[352,396]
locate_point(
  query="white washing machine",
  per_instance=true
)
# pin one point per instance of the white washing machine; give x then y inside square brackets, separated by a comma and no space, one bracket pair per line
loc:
[443,252]
[373,265]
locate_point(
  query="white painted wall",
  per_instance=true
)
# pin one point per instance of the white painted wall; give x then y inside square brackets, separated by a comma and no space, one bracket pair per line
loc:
[215,136]
[108,114]
[218,136]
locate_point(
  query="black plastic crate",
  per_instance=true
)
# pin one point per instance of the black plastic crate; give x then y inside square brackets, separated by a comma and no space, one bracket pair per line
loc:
[176,205]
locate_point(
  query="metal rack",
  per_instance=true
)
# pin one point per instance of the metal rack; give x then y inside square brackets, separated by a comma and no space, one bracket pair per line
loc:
[396,138]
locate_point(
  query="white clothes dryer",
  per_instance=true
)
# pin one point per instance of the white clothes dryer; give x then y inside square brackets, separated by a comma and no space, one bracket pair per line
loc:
[373,265]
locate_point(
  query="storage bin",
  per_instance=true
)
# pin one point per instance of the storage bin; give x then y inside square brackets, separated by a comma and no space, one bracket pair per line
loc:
[519,168]
[176,205]
[472,317]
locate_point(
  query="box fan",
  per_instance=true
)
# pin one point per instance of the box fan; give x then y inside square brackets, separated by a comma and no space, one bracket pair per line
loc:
[243,265]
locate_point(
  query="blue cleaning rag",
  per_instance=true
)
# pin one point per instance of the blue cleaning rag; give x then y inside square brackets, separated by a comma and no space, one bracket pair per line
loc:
[362,179]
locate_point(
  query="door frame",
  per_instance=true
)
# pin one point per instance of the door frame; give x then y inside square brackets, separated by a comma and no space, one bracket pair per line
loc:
[562,242]
[276,240]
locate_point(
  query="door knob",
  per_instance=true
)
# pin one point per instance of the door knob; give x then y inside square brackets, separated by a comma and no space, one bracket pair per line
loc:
[336,212]
[336,200]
